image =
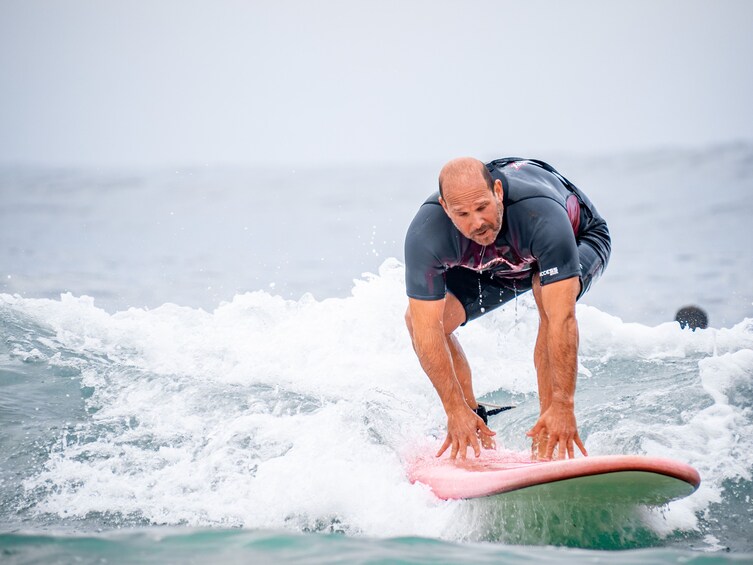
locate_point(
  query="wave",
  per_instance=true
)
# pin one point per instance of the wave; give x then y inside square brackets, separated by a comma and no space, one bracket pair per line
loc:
[268,413]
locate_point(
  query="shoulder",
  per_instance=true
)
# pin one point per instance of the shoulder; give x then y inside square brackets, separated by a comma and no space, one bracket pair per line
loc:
[431,238]
[431,245]
[526,178]
[430,218]
[537,216]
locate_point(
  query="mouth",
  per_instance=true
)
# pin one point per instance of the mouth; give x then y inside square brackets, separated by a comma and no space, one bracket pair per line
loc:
[482,232]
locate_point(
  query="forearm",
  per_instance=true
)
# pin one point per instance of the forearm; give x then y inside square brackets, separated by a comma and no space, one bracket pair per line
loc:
[436,360]
[562,346]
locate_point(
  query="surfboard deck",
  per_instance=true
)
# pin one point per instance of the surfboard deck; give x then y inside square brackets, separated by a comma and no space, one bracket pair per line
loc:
[631,479]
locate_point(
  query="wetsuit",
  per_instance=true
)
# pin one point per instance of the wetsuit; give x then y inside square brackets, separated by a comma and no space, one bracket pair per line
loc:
[548,226]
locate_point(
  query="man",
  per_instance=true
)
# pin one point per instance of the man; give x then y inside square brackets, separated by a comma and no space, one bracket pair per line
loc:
[491,232]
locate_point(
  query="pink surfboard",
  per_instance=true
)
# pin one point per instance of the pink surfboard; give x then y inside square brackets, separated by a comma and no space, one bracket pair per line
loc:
[632,479]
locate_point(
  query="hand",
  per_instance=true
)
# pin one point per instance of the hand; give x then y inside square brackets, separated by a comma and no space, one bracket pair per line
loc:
[487,441]
[556,428]
[465,428]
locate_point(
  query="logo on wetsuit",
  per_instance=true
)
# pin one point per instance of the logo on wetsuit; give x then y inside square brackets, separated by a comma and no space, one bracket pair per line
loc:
[550,272]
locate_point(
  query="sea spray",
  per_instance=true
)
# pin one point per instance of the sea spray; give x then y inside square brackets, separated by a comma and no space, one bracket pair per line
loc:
[269,413]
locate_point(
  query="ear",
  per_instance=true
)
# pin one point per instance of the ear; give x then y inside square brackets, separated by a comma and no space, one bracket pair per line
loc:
[444,205]
[499,192]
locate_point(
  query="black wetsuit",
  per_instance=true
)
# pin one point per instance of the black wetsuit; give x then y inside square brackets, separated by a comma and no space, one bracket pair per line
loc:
[548,226]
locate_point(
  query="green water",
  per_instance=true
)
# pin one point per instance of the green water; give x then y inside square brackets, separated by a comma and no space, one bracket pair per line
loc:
[68,399]
[163,546]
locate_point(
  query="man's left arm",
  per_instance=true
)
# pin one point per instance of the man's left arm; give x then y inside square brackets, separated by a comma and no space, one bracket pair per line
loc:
[561,335]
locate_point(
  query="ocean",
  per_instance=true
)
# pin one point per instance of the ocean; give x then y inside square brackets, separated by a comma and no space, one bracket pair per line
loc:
[210,364]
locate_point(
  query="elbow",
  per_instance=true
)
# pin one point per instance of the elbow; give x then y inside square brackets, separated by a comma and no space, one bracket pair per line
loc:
[409,322]
[564,323]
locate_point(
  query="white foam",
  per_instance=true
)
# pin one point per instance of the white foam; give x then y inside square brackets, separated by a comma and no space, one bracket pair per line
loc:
[297,414]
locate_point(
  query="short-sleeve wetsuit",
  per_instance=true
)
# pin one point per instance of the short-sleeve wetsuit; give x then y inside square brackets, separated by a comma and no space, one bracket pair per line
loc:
[549,226]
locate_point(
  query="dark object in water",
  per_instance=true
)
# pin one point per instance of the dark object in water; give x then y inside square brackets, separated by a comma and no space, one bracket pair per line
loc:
[485,410]
[692,317]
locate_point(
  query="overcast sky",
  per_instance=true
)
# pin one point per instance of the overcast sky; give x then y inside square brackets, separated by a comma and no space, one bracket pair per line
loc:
[180,82]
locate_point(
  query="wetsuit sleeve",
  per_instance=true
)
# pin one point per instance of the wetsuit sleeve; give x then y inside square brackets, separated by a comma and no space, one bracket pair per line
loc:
[424,270]
[552,239]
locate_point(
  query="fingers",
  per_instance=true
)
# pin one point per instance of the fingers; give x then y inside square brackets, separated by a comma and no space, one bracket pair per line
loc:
[554,437]
[485,435]
[444,447]
[462,435]
[487,442]
[550,445]
[580,445]
[456,447]
[459,447]
[472,442]
[566,447]
[534,431]
[484,429]
[476,447]
[538,445]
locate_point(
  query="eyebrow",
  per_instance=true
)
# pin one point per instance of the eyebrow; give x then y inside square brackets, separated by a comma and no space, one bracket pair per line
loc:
[479,202]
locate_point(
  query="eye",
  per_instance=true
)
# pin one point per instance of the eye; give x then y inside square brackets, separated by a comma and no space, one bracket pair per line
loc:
[481,208]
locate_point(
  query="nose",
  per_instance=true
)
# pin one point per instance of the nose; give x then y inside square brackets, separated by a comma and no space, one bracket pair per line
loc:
[478,222]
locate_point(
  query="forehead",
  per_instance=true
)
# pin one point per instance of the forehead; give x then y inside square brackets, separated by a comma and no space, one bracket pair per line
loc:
[467,194]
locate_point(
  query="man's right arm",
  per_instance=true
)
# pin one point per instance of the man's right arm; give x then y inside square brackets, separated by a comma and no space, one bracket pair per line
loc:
[430,343]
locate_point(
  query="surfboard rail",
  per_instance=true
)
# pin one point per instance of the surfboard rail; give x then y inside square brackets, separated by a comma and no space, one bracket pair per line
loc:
[489,476]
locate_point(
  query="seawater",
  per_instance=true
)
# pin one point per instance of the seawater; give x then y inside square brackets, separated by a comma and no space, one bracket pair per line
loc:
[153,410]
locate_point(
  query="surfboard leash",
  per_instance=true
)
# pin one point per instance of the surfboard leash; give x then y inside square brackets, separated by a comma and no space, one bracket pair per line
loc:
[493,409]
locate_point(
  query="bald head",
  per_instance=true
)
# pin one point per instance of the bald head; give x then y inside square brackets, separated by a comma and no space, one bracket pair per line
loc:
[462,173]
[472,199]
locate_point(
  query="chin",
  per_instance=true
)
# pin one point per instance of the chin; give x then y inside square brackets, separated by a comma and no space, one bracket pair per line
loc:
[486,240]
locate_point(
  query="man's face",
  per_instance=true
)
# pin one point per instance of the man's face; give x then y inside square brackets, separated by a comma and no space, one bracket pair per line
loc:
[475,210]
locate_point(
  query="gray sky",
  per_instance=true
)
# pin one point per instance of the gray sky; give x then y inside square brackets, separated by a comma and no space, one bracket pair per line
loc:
[180,82]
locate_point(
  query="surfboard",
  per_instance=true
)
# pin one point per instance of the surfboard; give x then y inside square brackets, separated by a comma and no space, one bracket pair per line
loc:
[629,479]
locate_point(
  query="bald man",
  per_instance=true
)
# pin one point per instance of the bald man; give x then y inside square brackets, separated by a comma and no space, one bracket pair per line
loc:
[494,231]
